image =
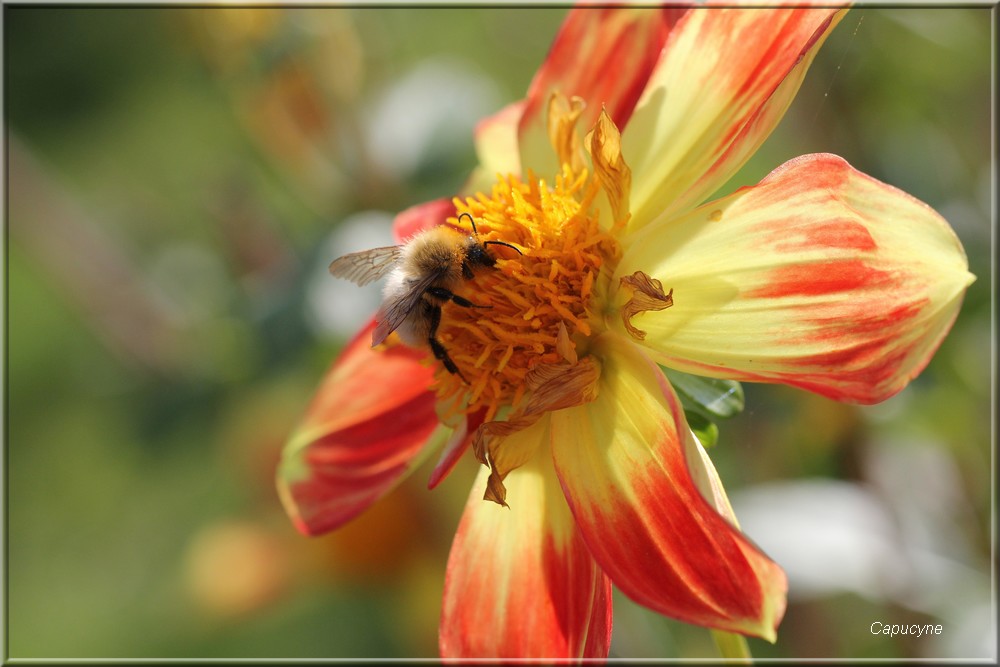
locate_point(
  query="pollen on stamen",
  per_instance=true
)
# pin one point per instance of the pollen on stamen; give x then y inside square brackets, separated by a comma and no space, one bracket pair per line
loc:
[538,301]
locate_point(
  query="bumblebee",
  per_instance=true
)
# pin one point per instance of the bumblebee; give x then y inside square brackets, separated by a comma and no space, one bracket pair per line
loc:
[424,273]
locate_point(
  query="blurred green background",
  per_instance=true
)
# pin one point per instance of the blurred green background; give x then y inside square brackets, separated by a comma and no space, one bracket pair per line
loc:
[179,178]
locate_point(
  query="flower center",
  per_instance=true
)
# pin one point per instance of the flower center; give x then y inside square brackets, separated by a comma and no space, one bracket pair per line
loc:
[541,304]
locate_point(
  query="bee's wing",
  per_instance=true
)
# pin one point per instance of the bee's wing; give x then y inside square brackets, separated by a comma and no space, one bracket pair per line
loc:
[365,266]
[396,307]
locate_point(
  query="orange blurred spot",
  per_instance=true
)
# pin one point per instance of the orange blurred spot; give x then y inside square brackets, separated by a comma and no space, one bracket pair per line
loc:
[235,567]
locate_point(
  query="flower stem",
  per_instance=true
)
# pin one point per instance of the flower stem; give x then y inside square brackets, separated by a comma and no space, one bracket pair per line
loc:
[732,647]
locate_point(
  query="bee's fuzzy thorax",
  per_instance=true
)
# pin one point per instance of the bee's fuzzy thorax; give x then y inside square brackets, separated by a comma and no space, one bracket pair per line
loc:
[439,249]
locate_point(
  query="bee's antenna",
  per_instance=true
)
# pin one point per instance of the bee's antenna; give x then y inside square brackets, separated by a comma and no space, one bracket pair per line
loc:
[472,221]
[476,232]
[485,243]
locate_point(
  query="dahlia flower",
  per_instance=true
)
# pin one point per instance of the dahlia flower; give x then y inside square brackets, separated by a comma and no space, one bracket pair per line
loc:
[819,277]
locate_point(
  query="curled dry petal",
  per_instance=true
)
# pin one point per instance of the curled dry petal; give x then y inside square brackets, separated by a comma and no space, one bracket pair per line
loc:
[647,295]
[605,145]
[562,116]
[552,387]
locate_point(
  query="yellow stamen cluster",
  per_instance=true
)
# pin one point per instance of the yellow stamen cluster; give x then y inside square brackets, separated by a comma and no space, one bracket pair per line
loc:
[540,303]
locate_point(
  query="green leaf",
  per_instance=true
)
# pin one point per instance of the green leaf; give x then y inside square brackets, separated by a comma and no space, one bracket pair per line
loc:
[704,429]
[710,397]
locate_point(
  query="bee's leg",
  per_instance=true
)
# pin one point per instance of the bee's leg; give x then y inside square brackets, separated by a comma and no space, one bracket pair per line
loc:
[447,295]
[440,353]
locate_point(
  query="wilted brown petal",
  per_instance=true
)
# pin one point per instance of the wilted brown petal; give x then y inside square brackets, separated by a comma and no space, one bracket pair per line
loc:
[553,387]
[647,294]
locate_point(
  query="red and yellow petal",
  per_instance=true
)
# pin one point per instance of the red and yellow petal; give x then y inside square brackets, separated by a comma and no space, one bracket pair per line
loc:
[723,83]
[520,581]
[602,54]
[819,277]
[420,217]
[360,436]
[622,465]
[457,444]
[496,148]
